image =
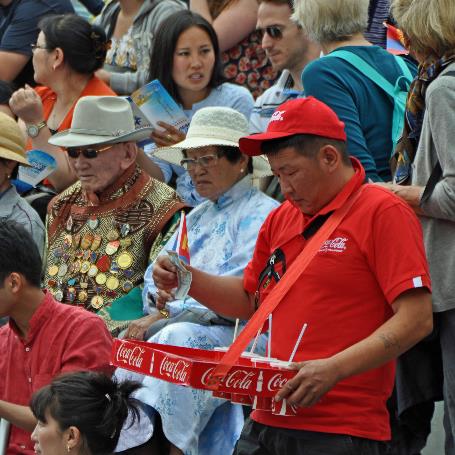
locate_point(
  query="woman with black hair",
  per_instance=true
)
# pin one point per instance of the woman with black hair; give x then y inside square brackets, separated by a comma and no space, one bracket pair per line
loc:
[186,60]
[66,55]
[81,413]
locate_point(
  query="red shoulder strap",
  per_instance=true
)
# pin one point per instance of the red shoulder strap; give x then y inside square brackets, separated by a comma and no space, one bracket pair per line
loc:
[279,292]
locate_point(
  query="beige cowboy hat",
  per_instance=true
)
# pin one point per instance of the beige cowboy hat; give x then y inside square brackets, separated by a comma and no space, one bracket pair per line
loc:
[12,142]
[214,126]
[101,120]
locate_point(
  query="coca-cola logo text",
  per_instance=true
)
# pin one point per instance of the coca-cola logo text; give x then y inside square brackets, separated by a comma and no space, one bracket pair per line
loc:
[337,245]
[130,356]
[276,382]
[175,369]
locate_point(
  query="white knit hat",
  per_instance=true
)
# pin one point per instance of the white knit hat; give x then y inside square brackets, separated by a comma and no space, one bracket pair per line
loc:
[214,126]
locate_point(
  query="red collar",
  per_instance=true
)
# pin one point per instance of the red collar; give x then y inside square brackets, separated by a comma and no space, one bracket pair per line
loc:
[356,181]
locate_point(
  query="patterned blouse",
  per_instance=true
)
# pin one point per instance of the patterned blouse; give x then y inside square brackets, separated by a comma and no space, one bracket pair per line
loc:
[122,52]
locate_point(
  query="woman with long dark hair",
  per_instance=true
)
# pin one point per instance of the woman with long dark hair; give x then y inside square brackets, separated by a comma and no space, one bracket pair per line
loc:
[186,60]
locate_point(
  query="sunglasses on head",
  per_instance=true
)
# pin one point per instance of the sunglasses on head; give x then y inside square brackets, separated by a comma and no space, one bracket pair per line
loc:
[74,152]
[274,31]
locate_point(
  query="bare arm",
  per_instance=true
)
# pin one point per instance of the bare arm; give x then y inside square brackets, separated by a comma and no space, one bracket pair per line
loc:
[27,105]
[411,322]
[410,194]
[147,165]
[242,13]
[20,416]
[11,64]
[224,295]
[63,176]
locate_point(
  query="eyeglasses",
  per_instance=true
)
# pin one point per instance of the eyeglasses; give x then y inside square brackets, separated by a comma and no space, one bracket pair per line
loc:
[38,46]
[90,153]
[274,31]
[204,161]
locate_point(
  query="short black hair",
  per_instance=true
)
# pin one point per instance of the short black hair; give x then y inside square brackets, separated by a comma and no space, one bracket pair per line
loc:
[93,402]
[18,253]
[84,45]
[233,155]
[305,144]
[162,55]
[15,171]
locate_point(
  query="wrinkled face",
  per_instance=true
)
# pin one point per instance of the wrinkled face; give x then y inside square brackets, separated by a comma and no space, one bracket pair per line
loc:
[288,51]
[48,438]
[41,61]
[302,179]
[194,59]
[212,182]
[96,174]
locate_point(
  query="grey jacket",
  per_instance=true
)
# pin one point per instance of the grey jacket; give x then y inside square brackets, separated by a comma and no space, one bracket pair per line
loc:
[437,143]
[145,25]
[15,208]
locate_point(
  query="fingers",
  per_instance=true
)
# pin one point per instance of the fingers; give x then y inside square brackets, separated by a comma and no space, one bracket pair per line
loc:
[164,274]
[168,136]
[162,298]
[306,388]
[135,332]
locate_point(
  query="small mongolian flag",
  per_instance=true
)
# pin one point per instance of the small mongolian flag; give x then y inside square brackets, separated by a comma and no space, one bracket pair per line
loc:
[181,244]
[395,40]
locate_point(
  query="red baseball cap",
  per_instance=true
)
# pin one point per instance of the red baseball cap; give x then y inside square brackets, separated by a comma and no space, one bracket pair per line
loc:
[299,116]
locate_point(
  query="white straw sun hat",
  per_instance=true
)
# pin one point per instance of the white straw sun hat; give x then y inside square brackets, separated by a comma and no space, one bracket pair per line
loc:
[214,126]
[101,120]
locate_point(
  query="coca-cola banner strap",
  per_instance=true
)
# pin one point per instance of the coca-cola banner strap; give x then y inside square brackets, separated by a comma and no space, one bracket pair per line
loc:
[280,290]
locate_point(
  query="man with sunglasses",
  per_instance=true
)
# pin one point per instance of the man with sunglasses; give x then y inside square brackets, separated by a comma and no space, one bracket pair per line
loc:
[288,50]
[102,228]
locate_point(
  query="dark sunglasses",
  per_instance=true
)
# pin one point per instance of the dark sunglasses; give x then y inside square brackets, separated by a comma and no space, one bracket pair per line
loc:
[274,31]
[90,153]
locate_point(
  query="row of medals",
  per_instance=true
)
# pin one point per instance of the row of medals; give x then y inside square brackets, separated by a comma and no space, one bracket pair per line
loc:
[88,262]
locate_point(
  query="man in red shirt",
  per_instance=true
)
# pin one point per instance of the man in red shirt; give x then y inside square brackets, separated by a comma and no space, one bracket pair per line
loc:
[365,296]
[43,337]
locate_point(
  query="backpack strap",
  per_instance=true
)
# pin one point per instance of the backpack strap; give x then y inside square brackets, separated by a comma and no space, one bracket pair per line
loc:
[370,72]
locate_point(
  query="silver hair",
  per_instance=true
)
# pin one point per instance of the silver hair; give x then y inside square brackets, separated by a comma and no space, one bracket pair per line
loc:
[326,21]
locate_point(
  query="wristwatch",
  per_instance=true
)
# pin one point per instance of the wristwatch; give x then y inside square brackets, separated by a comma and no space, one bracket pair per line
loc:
[34,129]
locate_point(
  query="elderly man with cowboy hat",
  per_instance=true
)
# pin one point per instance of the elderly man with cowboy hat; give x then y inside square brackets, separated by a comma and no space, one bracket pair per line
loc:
[12,206]
[102,228]
[222,233]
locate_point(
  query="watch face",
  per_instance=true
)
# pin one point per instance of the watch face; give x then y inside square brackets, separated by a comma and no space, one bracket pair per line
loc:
[32,130]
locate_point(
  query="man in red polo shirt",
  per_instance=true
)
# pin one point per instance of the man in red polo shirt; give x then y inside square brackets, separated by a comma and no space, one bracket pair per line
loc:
[365,296]
[43,337]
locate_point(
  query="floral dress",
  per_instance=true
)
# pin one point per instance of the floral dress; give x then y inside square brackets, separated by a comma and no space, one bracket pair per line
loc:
[247,64]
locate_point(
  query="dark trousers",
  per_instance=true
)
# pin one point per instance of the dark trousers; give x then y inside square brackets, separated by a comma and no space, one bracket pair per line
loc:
[258,439]
[447,338]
